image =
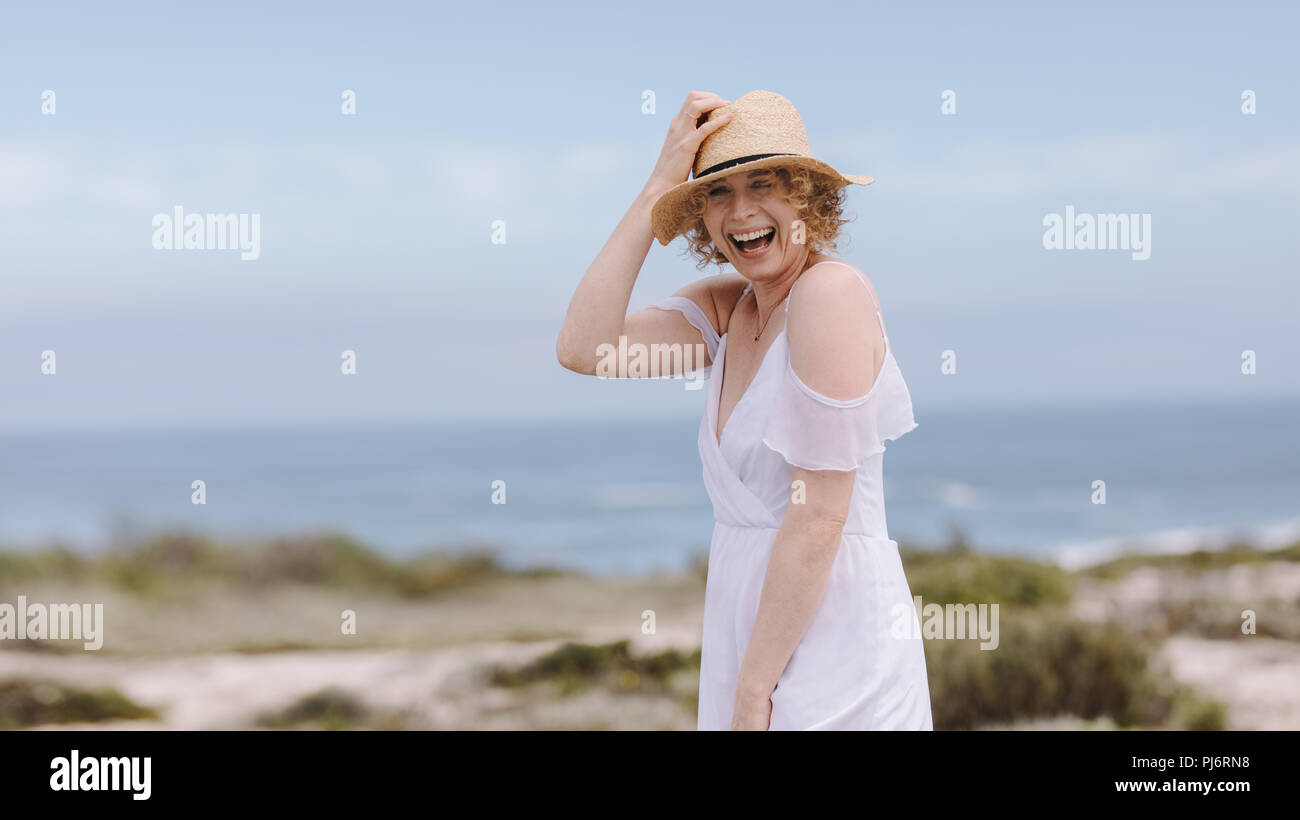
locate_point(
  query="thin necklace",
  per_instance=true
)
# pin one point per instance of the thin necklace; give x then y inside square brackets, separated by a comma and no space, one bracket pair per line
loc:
[769,316]
[759,332]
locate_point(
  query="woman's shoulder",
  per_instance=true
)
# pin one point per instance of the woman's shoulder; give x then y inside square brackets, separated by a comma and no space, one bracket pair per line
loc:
[836,345]
[831,279]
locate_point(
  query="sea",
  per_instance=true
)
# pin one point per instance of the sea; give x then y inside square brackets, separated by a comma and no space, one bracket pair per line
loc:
[626,496]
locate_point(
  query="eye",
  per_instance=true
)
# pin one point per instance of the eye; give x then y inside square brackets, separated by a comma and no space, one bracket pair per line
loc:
[719,190]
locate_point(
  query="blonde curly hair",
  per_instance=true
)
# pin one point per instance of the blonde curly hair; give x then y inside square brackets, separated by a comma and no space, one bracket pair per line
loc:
[818,200]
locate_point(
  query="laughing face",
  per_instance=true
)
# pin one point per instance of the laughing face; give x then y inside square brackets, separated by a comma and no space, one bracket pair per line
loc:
[750,221]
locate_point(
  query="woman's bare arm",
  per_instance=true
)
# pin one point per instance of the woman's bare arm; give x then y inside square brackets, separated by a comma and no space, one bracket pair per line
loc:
[797,573]
[598,311]
[835,343]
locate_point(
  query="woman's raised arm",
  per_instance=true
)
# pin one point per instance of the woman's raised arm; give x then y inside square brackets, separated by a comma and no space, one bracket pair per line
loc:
[598,311]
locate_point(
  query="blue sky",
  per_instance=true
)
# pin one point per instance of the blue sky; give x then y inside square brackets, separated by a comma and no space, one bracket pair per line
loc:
[376,227]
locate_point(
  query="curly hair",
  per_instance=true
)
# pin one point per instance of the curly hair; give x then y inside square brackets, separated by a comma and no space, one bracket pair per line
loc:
[818,200]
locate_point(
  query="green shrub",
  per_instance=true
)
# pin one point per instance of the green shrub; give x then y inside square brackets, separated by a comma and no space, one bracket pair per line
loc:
[960,576]
[575,667]
[1197,561]
[164,563]
[1043,667]
[331,709]
[25,703]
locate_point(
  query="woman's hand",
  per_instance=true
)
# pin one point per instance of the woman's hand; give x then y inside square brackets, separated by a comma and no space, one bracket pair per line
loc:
[752,712]
[684,137]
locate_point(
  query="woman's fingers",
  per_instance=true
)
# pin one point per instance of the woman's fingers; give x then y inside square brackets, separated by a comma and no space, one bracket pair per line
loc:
[696,107]
[712,125]
[685,134]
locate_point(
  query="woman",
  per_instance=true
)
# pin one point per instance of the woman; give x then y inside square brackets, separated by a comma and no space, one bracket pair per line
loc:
[808,619]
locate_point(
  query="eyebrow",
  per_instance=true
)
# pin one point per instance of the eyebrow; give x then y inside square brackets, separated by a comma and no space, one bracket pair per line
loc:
[750,175]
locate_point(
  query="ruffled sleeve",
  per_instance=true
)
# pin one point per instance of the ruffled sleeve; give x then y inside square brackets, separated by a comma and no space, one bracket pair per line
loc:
[816,432]
[696,317]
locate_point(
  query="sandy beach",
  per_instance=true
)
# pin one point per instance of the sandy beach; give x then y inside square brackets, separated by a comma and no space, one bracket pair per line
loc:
[564,651]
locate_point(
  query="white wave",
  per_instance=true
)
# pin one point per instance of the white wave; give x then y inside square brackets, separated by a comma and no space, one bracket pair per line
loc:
[1179,541]
[954,494]
[959,495]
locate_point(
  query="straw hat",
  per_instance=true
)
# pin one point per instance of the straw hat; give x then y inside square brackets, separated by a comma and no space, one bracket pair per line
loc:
[765,130]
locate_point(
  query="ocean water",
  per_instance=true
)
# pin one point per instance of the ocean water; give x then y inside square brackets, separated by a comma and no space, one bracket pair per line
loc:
[628,496]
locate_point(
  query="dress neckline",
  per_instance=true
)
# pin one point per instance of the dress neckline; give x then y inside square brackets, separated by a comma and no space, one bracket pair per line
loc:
[717,404]
[781,338]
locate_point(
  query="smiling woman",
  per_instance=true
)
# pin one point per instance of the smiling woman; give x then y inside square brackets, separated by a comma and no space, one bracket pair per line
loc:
[802,625]
[817,198]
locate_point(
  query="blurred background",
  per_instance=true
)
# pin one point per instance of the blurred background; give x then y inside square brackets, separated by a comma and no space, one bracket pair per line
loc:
[373,493]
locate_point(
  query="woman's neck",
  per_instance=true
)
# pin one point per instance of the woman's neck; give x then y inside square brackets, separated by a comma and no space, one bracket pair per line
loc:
[767,295]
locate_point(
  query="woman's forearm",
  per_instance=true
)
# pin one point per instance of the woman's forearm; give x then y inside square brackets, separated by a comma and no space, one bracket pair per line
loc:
[797,573]
[599,305]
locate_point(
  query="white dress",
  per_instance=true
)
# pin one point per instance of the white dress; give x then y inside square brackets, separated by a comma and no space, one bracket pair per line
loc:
[860,664]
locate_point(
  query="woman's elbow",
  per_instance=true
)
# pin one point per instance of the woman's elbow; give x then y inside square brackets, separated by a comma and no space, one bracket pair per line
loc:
[571,359]
[821,525]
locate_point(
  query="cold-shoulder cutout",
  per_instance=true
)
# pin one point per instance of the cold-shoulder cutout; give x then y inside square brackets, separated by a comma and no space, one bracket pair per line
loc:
[829,412]
[835,331]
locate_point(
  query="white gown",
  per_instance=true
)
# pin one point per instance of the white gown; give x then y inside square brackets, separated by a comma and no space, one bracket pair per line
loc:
[860,664]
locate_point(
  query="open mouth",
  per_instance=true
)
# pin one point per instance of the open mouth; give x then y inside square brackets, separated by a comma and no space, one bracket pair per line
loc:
[753,243]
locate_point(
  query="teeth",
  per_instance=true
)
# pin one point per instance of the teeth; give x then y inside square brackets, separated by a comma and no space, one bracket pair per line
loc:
[745,237]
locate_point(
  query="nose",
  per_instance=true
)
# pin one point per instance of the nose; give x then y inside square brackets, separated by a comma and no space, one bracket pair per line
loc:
[743,204]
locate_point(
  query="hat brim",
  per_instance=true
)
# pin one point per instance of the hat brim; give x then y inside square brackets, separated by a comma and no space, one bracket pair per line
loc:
[669,210]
